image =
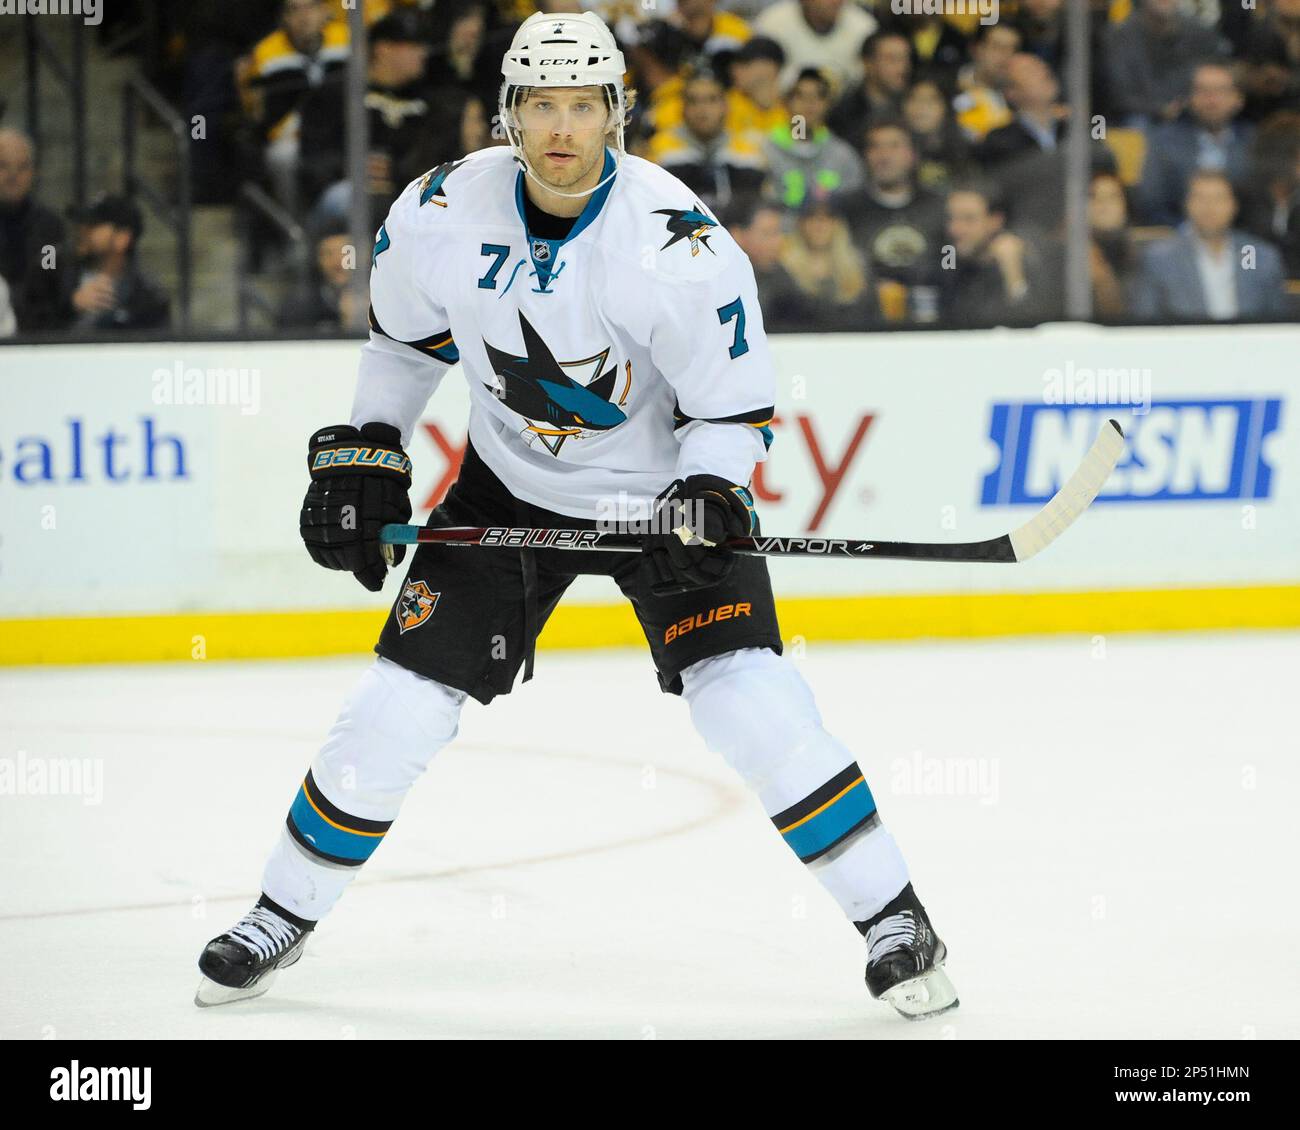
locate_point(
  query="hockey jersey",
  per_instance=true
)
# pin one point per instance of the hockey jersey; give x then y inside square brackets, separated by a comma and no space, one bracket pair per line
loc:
[600,366]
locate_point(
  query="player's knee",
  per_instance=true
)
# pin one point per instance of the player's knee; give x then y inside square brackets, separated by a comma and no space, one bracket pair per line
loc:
[756,710]
[425,704]
[386,734]
[753,708]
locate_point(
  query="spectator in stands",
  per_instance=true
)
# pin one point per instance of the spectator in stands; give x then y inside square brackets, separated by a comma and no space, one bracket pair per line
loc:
[826,34]
[1041,27]
[1272,204]
[31,241]
[714,163]
[326,302]
[758,228]
[895,224]
[1113,256]
[713,35]
[886,69]
[286,66]
[215,37]
[938,49]
[1272,54]
[474,133]
[112,293]
[804,158]
[401,113]
[754,101]
[989,276]
[1210,270]
[1027,157]
[1148,61]
[828,269]
[467,51]
[1208,136]
[942,152]
[459,126]
[659,57]
[1033,93]
[981,107]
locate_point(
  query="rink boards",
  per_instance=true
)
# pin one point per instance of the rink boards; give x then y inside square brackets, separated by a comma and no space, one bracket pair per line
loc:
[149,493]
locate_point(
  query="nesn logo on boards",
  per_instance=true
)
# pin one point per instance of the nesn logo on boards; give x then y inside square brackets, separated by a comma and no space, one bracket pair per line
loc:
[1178,451]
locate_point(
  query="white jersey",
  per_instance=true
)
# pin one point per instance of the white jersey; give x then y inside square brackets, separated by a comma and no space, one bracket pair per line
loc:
[601,366]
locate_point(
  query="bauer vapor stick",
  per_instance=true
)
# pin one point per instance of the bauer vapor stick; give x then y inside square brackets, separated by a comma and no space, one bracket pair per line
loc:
[1040,531]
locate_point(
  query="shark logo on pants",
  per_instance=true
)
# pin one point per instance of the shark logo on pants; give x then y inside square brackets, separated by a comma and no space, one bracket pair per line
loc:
[415,606]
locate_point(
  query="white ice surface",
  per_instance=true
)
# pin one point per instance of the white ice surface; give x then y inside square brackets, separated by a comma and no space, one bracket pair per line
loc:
[578,865]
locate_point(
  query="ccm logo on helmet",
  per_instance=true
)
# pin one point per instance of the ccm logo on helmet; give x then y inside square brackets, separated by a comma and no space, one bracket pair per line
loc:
[558,63]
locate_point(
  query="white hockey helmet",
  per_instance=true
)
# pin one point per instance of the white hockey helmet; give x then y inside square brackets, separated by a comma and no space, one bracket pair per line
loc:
[564,49]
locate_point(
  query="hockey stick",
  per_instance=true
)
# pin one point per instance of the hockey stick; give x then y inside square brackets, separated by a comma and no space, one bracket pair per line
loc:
[1035,535]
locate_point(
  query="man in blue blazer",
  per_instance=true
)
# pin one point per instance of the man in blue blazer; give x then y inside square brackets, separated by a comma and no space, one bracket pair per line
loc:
[1208,136]
[1210,271]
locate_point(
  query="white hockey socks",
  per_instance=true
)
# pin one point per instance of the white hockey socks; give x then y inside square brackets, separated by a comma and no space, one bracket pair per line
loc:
[754,708]
[386,734]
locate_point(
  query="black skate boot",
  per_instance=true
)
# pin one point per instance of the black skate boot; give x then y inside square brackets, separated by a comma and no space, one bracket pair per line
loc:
[905,959]
[242,962]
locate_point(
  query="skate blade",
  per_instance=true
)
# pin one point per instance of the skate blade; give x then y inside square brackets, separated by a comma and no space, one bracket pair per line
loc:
[924,996]
[210,994]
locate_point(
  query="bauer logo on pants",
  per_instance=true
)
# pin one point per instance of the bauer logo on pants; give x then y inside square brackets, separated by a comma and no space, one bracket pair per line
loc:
[415,605]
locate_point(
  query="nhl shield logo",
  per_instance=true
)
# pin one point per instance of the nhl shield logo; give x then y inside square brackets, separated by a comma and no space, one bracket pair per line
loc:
[541,250]
[414,606]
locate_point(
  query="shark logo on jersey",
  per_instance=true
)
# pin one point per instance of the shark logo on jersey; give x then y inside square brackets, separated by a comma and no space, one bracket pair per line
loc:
[557,407]
[688,223]
[431,185]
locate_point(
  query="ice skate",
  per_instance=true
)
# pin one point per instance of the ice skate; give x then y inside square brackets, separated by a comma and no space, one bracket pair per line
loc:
[243,962]
[905,960]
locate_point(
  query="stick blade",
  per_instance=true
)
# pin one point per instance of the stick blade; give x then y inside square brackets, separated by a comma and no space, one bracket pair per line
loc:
[1074,497]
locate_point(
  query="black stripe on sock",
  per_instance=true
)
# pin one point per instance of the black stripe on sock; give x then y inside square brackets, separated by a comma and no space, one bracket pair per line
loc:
[336,815]
[818,797]
[312,849]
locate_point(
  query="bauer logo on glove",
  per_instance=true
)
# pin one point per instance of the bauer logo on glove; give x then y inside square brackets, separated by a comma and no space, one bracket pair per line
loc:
[361,457]
[356,488]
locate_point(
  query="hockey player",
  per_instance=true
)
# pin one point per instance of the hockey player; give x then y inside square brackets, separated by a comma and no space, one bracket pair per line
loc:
[611,336]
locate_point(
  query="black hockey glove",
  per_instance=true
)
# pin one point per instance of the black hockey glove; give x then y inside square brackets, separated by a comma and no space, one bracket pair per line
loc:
[360,480]
[691,518]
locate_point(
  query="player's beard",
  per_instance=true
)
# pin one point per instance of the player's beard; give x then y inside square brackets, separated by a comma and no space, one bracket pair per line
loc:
[589,154]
